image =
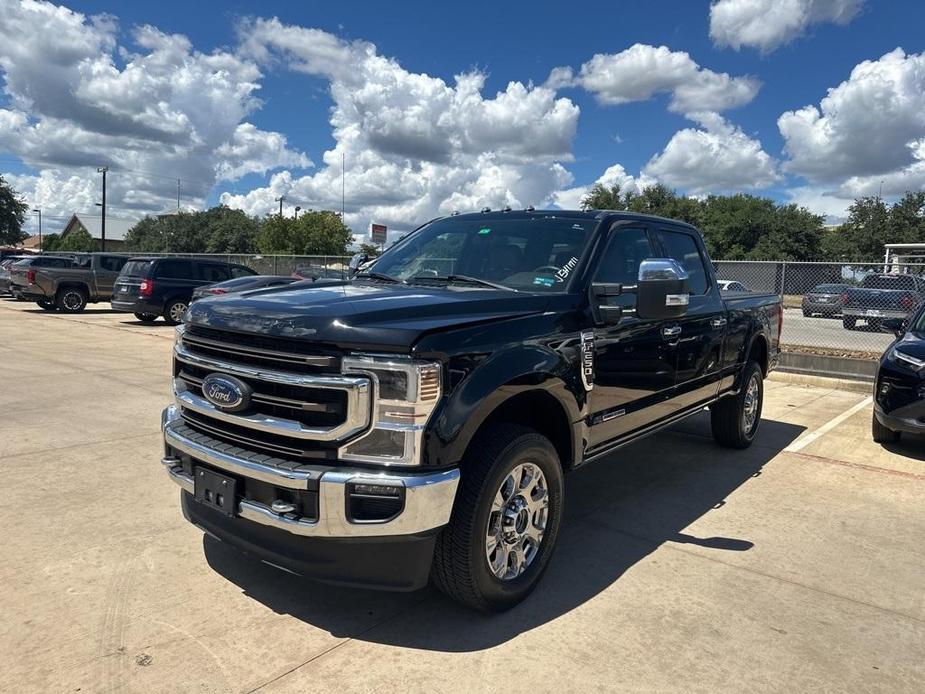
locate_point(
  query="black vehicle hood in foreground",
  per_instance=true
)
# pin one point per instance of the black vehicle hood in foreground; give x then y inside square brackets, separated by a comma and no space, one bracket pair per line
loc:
[912,343]
[361,315]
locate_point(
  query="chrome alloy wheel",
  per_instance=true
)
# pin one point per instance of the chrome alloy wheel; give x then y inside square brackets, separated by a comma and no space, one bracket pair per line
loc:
[176,311]
[517,521]
[752,403]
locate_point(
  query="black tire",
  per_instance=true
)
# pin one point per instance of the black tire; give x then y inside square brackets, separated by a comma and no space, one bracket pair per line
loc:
[146,317]
[47,305]
[849,322]
[882,434]
[807,314]
[728,417]
[172,313]
[461,565]
[71,299]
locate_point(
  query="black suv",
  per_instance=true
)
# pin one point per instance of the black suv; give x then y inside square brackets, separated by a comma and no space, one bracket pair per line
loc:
[152,287]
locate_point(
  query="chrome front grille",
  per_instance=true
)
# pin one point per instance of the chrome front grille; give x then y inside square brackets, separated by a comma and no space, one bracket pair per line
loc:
[298,406]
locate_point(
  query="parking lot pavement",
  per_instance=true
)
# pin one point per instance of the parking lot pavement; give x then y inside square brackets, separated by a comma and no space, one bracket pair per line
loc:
[795,565]
[817,331]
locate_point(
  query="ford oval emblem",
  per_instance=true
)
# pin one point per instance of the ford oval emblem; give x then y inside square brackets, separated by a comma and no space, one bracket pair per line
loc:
[226,392]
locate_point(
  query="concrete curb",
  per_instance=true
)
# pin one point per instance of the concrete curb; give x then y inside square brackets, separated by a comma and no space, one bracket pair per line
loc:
[797,379]
[831,366]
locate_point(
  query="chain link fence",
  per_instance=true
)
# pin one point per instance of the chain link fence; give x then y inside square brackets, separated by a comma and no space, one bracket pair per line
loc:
[846,307]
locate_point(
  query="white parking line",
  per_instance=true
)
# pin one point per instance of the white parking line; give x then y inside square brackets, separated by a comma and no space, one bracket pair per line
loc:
[808,438]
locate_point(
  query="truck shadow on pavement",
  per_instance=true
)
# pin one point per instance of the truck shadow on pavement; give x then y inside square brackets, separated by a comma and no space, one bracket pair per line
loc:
[618,511]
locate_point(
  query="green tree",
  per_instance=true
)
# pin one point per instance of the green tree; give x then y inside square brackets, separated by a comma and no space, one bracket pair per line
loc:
[12,215]
[50,242]
[314,233]
[602,197]
[77,240]
[862,236]
[216,230]
[370,249]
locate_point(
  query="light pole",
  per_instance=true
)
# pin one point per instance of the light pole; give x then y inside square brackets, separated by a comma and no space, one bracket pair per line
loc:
[296,215]
[39,210]
[280,201]
[103,170]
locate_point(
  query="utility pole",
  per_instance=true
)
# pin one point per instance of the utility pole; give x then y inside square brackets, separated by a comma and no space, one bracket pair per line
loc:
[280,201]
[103,170]
[39,210]
[296,215]
[343,185]
[178,195]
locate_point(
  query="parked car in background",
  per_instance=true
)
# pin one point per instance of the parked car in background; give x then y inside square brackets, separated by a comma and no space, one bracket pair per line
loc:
[241,284]
[731,286]
[899,405]
[26,272]
[87,279]
[882,296]
[151,287]
[10,252]
[825,299]
[318,272]
[5,265]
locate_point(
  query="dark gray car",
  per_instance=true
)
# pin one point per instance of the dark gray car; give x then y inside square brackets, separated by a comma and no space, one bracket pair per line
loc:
[241,284]
[825,299]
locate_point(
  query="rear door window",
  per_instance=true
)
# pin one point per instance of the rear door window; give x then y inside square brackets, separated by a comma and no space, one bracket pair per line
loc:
[212,272]
[241,271]
[135,268]
[682,247]
[112,263]
[175,270]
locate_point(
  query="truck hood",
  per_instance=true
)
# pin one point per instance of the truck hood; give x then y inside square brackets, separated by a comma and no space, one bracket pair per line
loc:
[361,315]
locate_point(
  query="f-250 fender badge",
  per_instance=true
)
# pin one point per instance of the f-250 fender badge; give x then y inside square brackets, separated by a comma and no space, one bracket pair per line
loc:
[587,359]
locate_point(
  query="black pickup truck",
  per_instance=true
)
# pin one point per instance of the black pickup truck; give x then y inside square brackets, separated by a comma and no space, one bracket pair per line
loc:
[416,421]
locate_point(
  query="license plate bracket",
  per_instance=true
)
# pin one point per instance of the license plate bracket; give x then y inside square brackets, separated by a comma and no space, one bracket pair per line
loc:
[215,490]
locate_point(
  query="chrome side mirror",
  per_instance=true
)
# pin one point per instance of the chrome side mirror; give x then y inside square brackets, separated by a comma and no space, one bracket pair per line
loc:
[662,289]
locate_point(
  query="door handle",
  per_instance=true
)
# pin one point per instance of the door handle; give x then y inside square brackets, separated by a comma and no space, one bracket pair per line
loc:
[671,331]
[717,322]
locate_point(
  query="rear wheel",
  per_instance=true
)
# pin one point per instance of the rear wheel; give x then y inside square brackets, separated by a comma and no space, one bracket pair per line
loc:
[735,419]
[849,322]
[807,314]
[173,312]
[47,305]
[505,520]
[72,300]
[146,317]
[882,434]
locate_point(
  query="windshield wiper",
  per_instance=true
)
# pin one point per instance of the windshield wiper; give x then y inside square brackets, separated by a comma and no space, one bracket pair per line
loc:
[381,276]
[463,279]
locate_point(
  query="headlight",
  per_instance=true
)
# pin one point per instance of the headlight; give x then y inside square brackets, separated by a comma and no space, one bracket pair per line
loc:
[407,391]
[906,359]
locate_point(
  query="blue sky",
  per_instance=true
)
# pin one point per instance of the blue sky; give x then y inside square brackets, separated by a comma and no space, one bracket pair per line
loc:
[505,42]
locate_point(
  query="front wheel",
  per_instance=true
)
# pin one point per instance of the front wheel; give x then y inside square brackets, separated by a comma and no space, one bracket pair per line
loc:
[505,520]
[47,305]
[849,322]
[146,317]
[882,434]
[174,311]
[735,419]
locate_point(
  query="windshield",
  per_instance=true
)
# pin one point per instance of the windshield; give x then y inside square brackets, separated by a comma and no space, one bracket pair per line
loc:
[534,254]
[889,282]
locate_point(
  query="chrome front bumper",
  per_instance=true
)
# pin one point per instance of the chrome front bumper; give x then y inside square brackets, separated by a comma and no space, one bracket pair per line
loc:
[428,496]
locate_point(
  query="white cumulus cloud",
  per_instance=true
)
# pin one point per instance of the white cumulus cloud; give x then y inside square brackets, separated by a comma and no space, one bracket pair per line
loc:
[717,157]
[769,24]
[414,145]
[152,111]
[642,71]
[867,129]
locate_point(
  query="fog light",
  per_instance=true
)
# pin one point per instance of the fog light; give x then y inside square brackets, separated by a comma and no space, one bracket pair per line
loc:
[374,503]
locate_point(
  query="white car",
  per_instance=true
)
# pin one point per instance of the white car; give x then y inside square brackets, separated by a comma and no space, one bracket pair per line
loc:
[731,286]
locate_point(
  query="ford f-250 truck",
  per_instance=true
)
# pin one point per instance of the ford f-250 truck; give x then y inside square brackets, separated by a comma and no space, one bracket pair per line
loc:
[417,420]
